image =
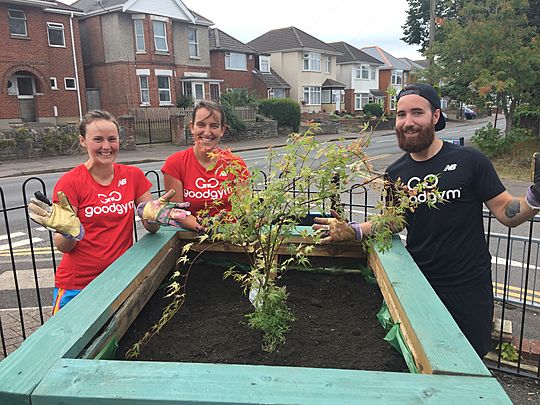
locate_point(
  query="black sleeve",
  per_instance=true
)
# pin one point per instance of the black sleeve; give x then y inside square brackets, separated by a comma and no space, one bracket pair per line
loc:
[487,183]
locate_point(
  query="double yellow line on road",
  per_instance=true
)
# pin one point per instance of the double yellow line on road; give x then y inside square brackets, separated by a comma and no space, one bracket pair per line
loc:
[27,251]
[532,296]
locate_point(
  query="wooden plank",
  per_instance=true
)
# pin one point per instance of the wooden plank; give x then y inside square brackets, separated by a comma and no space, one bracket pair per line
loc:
[69,331]
[131,308]
[107,382]
[342,249]
[431,333]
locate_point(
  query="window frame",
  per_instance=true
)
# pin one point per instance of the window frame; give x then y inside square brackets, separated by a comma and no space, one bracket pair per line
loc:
[264,60]
[193,43]
[143,90]
[311,62]
[162,37]
[10,18]
[58,27]
[212,93]
[137,36]
[327,64]
[397,74]
[228,59]
[361,71]
[55,85]
[326,96]
[311,92]
[360,100]
[164,90]
[74,83]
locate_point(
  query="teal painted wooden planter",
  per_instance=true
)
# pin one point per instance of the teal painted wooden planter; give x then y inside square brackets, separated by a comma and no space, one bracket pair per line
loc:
[49,367]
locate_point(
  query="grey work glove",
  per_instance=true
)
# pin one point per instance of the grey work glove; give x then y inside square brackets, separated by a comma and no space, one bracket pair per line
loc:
[58,217]
[338,229]
[533,192]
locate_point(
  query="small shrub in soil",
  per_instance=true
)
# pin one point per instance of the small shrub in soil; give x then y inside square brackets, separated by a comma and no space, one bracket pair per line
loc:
[335,326]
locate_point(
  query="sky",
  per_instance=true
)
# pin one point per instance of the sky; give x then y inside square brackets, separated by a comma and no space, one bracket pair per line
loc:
[358,22]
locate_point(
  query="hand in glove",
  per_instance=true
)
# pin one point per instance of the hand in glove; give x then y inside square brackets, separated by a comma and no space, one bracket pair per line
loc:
[162,211]
[58,217]
[533,193]
[338,229]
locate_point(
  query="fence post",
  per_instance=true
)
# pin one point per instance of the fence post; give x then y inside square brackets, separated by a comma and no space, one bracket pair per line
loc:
[127,131]
[177,129]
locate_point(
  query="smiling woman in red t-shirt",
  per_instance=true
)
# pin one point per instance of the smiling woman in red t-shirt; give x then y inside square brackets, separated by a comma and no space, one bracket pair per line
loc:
[197,174]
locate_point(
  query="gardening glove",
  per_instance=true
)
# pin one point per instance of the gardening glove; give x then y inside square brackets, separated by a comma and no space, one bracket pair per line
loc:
[162,211]
[58,217]
[338,229]
[533,192]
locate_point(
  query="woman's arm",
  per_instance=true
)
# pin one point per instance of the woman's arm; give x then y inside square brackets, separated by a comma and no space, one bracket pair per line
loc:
[171,183]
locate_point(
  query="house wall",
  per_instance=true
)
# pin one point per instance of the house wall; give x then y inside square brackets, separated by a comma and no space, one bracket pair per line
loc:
[232,78]
[385,76]
[34,55]
[181,45]
[118,41]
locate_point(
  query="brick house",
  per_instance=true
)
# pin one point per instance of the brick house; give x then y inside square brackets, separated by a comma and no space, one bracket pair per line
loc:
[307,64]
[241,66]
[41,64]
[360,74]
[138,55]
[394,74]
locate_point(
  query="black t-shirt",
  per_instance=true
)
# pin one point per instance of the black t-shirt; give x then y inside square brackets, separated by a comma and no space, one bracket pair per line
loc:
[447,242]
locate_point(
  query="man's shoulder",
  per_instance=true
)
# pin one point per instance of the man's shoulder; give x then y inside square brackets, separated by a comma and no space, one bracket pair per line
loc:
[397,164]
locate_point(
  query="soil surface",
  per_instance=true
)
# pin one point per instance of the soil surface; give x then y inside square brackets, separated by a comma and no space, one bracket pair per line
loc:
[335,326]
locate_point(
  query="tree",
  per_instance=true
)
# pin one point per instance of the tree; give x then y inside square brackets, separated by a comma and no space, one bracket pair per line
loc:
[492,47]
[416,28]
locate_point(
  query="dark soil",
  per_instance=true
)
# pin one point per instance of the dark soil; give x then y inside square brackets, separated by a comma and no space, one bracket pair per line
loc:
[335,327]
[520,390]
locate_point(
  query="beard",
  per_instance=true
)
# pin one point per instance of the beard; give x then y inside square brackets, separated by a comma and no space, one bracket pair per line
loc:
[417,143]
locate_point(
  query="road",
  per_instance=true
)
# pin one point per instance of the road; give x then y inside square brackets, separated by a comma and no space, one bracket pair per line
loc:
[383,149]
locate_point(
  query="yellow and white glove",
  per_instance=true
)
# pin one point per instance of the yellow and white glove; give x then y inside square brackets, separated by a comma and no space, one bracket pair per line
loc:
[57,217]
[162,211]
[337,228]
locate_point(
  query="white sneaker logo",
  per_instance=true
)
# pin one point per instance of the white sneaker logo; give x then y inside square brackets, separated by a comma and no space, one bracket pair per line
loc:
[450,168]
[122,182]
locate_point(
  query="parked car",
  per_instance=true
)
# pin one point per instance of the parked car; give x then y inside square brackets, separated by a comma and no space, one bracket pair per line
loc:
[468,113]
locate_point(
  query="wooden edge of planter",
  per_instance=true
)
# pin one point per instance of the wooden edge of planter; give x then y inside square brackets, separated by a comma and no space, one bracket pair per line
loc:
[131,308]
[432,335]
[68,332]
[99,382]
[340,250]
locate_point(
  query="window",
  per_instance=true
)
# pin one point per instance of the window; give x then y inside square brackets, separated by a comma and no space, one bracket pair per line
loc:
[70,83]
[138,26]
[312,95]
[397,77]
[164,90]
[393,102]
[55,33]
[312,62]
[360,100]
[326,96]
[362,72]
[214,91]
[373,72]
[235,61]
[327,64]
[160,36]
[264,64]
[17,23]
[276,93]
[193,44]
[54,84]
[199,91]
[145,90]
[188,92]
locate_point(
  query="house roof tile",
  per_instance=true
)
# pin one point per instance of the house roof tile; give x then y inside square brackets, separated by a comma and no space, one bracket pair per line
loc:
[272,80]
[220,41]
[290,39]
[390,62]
[352,54]
[333,83]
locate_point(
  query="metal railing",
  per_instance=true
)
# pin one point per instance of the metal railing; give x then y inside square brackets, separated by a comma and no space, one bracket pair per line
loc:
[27,271]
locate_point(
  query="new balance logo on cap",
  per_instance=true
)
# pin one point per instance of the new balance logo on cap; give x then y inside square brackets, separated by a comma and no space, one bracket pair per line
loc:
[450,168]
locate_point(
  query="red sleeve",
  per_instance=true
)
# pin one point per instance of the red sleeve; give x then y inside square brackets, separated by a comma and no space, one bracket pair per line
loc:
[142,184]
[68,186]
[172,166]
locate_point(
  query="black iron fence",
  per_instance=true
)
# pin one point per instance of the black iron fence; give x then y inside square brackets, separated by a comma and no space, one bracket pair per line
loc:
[28,261]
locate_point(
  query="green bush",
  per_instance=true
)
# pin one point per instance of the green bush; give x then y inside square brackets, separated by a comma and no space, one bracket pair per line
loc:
[184,102]
[373,109]
[493,143]
[284,110]
[240,98]
[236,124]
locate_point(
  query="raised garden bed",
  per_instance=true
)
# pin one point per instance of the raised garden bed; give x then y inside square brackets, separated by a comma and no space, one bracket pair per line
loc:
[48,367]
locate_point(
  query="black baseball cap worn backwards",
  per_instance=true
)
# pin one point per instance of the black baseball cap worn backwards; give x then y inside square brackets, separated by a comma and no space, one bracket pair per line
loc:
[429,93]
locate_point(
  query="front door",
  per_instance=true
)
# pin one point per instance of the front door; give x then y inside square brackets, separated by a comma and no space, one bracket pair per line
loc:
[25,92]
